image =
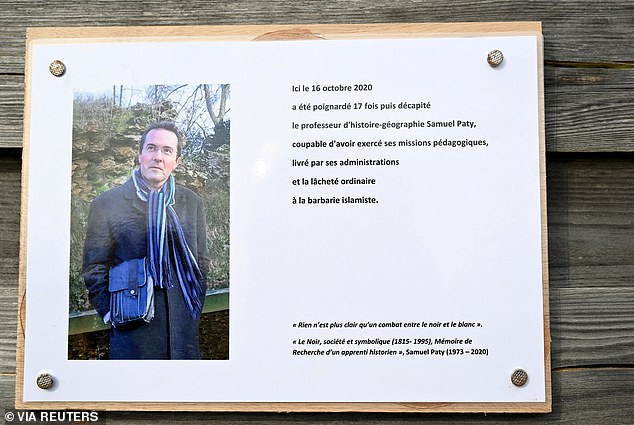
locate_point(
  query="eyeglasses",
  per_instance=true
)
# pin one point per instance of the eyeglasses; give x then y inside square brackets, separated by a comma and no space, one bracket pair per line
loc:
[165,150]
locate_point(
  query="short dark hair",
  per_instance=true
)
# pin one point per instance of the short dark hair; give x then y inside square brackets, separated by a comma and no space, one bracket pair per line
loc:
[165,125]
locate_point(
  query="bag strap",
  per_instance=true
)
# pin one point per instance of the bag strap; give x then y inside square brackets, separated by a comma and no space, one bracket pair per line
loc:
[132,277]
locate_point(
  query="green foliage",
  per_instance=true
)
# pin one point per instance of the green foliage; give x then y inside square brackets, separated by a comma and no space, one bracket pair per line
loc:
[216,197]
[78,297]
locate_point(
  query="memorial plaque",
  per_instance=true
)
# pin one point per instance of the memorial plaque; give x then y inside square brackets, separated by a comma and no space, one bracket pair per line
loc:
[382,233]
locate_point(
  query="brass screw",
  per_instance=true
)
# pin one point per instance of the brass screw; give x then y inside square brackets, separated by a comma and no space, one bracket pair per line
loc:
[45,381]
[519,377]
[57,68]
[495,57]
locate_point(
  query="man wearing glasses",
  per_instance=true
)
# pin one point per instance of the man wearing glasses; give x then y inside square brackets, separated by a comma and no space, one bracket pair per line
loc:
[149,231]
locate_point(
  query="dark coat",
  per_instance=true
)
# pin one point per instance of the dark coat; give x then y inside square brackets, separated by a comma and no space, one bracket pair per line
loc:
[117,232]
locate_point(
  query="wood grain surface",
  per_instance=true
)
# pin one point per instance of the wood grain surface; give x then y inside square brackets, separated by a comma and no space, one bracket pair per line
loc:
[577,31]
[584,396]
[589,81]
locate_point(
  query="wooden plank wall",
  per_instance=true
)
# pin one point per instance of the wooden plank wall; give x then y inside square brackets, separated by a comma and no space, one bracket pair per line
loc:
[589,93]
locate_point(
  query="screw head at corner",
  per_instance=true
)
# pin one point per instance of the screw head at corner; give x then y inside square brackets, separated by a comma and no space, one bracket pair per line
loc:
[495,58]
[519,378]
[45,381]
[57,68]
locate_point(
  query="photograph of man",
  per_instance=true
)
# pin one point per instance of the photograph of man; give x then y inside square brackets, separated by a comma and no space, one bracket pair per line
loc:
[153,231]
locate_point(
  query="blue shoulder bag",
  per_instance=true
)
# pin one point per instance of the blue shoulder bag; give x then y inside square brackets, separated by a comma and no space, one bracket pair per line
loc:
[131,294]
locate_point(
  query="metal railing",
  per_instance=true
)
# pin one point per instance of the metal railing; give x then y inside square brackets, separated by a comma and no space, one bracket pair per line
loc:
[89,321]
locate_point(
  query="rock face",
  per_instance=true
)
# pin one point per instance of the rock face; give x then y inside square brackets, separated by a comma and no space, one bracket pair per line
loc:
[213,166]
[100,161]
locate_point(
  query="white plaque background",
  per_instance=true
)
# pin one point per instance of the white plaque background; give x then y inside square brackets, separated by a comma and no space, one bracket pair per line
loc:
[456,234]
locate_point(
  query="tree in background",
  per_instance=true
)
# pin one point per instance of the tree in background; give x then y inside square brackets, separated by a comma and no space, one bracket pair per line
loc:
[106,130]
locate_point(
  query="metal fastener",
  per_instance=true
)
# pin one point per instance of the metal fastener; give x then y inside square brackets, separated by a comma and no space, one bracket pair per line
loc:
[495,57]
[45,381]
[57,68]
[132,292]
[519,377]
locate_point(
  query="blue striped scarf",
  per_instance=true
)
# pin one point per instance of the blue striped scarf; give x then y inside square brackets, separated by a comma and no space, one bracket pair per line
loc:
[167,247]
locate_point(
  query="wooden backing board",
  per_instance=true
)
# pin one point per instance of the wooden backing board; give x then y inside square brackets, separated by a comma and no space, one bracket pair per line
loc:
[268,33]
